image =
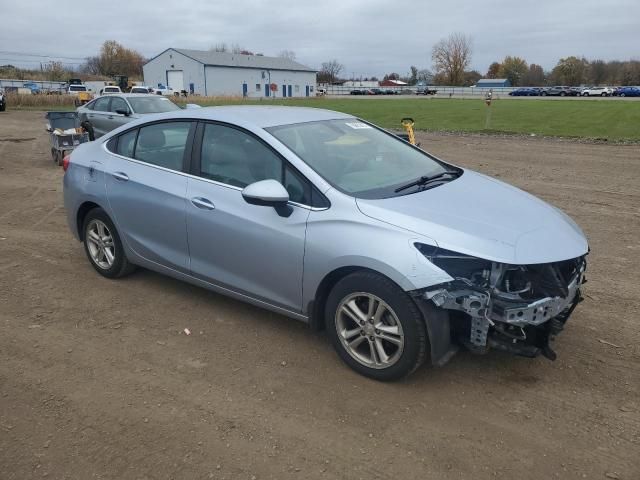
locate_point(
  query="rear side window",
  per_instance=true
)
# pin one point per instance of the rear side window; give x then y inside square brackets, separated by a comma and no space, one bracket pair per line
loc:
[163,144]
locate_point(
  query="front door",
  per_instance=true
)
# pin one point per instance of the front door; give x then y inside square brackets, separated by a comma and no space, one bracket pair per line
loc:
[146,192]
[289,90]
[306,91]
[244,89]
[266,90]
[250,249]
[284,90]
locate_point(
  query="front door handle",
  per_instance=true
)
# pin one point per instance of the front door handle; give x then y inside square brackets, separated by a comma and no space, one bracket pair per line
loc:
[123,177]
[202,203]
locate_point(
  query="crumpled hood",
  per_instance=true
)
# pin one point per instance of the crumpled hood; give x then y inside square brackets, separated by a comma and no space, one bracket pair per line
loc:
[480,216]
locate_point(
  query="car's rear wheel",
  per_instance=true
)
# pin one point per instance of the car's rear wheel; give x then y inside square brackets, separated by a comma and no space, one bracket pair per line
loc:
[103,246]
[375,327]
[623,94]
[603,94]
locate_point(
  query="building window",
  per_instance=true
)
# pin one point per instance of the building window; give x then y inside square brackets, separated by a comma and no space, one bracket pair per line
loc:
[311,88]
[258,87]
[297,88]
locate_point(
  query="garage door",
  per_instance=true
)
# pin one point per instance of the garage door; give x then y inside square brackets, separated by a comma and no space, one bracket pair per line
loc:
[175,79]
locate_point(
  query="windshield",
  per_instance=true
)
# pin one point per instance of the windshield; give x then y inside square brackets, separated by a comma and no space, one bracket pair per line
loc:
[152,104]
[356,157]
[77,88]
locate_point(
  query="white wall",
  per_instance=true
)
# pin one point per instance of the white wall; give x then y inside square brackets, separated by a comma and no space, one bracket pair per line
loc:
[227,81]
[155,71]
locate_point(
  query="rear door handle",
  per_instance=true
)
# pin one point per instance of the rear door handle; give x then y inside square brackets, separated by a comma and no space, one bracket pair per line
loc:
[202,203]
[123,177]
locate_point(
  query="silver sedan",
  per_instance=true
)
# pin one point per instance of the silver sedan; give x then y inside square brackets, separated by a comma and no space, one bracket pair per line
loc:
[331,220]
[109,112]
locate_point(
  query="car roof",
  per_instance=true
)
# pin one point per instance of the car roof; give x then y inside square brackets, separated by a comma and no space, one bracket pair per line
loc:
[260,116]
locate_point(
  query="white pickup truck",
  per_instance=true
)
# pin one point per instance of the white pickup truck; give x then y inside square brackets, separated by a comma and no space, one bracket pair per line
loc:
[74,88]
[167,91]
[109,89]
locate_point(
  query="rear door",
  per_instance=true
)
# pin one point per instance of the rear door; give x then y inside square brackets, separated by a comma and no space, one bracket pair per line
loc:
[99,116]
[146,188]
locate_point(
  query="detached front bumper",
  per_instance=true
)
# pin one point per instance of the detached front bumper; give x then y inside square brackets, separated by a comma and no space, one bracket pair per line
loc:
[480,320]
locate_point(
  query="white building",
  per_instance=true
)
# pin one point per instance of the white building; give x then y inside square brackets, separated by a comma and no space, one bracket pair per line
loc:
[229,74]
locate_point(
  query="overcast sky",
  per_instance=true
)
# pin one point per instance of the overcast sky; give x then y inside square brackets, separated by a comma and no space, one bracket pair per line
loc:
[370,37]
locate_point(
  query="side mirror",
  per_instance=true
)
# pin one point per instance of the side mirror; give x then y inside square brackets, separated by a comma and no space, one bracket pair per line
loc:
[123,111]
[266,192]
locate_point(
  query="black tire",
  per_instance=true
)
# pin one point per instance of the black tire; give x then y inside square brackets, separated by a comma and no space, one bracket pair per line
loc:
[414,350]
[54,155]
[3,107]
[59,157]
[623,94]
[121,265]
[562,94]
[89,129]
[603,94]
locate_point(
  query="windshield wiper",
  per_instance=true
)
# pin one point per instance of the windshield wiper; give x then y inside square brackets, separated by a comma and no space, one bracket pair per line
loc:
[424,180]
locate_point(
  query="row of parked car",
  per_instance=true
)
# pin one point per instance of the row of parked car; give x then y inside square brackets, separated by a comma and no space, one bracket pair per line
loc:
[561,91]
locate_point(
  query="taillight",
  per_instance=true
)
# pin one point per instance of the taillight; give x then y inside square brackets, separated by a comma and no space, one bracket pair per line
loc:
[65,162]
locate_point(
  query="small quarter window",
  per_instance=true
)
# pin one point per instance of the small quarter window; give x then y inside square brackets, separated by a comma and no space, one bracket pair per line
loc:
[127,143]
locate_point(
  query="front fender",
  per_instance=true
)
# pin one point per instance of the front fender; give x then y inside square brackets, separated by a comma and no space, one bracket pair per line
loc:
[360,241]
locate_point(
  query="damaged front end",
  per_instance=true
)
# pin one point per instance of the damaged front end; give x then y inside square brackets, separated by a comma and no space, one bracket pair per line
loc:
[513,308]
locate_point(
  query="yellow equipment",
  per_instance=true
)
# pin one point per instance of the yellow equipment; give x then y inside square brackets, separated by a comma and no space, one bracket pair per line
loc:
[407,124]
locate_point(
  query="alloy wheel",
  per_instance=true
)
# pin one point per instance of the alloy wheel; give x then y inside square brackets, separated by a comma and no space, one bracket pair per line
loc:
[100,244]
[369,330]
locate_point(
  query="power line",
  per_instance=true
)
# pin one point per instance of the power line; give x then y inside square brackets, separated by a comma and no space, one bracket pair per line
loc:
[26,54]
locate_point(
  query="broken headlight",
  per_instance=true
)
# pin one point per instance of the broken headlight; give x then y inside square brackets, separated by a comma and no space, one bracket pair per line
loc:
[460,266]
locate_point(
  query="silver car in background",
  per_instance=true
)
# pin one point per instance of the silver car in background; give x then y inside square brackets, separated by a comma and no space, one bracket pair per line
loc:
[328,219]
[109,112]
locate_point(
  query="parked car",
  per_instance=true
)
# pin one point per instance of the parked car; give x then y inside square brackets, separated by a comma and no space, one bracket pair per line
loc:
[425,90]
[628,92]
[109,112]
[141,89]
[34,87]
[328,219]
[166,91]
[321,91]
[358,92]
[523,92]
[558,92]
[109,90]
[596,92]
[376,91]
[3,101]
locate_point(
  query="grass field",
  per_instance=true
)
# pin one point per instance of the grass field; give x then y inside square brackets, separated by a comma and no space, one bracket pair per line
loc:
[613,119]
[602,119]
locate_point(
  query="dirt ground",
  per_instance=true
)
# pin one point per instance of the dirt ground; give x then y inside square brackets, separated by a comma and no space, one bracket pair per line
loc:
[98,382]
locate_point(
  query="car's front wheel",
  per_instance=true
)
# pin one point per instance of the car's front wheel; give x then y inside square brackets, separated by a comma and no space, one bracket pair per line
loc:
[375,327]
[103,246]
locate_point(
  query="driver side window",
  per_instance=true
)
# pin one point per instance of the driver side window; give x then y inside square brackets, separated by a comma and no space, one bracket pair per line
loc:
[236,158]
[118,103]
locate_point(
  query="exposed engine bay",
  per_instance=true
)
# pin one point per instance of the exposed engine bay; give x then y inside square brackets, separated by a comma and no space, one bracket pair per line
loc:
[514,308]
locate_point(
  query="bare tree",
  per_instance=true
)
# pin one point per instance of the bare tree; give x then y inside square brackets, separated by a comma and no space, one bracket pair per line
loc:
[330,71]
[451,56]
[288,54]
[219,47]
